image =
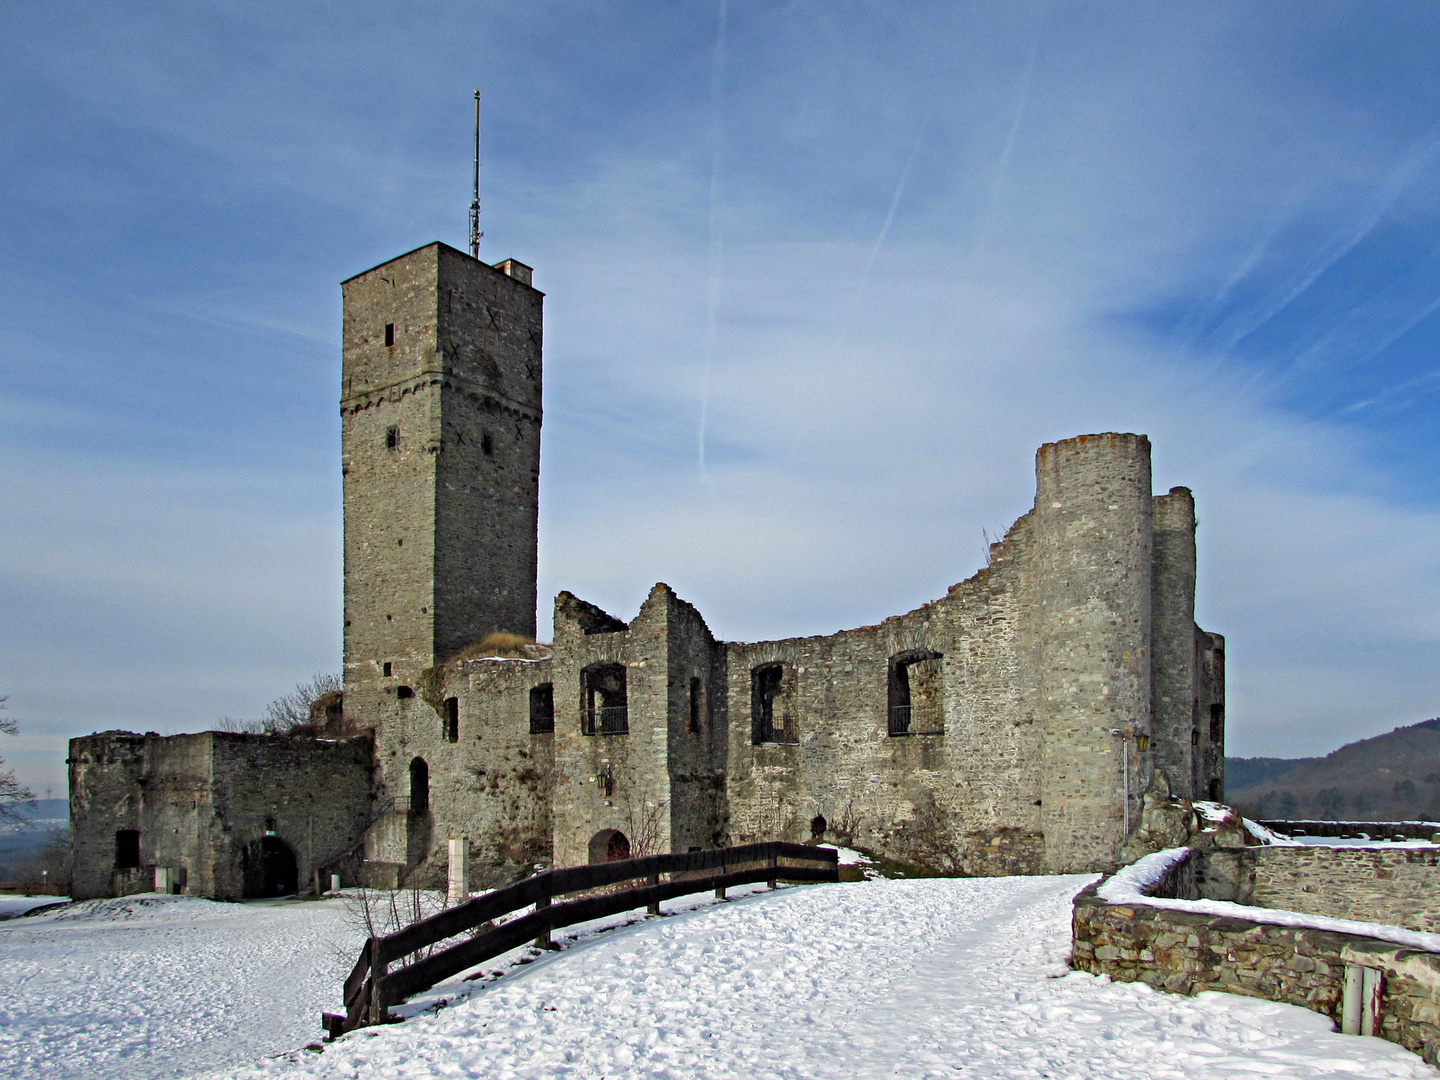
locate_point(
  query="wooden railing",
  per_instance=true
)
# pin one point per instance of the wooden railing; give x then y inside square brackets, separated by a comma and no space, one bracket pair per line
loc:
[375,984]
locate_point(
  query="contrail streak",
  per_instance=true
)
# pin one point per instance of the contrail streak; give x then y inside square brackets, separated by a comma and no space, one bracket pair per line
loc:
[1002,168]
[884,232]
[716,255]
[1412,164]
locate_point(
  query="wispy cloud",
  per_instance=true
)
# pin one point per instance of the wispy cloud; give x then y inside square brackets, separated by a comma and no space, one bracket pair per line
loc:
[1418,159]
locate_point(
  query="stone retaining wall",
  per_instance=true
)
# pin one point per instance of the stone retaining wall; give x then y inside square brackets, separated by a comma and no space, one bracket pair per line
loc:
[1189,952]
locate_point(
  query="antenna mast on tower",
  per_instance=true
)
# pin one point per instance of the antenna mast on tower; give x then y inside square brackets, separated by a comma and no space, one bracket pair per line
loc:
[475,233]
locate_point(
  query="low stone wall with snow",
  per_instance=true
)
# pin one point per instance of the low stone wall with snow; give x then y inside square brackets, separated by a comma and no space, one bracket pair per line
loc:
[1396,885]
[1188,946]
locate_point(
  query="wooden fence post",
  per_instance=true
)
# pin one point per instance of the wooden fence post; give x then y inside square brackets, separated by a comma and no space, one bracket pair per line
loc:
[378,1014]
[542,941]
[774,882]
[654,906]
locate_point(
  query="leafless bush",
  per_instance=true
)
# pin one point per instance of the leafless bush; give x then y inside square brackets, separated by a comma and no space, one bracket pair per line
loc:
[49,871]
[290,714]
[14,796]
[379,912]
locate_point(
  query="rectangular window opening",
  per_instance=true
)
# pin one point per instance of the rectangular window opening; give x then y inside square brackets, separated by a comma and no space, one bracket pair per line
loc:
[916,693]
[452,720]
[542,709]
[389,334]
[385,669]
[127,849]
[697,705]
[772,690]
[392,437]
[604,707]
[1217,722]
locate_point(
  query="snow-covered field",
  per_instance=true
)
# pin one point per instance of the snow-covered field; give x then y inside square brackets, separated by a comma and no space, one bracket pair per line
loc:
[922,978]
[162,986]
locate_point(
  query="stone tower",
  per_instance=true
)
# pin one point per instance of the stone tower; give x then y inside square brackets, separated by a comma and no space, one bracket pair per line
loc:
[440,451]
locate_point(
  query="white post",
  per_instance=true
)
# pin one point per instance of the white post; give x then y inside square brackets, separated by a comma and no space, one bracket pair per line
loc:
[1350,1003]
[1370,987]
[459,890]
[335,883]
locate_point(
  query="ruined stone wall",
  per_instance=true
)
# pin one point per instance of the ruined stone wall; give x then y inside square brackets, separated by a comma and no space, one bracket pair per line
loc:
[1021,674]
[1174,689]
[198,800]
[109,776]
[698,730]
[612,781]
[314,793]
[1210,715]
[961,801]
[1189,953]
[492,782]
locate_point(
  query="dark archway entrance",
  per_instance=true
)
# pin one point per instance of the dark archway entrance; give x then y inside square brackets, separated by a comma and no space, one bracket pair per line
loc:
[608,845]
[419,786]
[268,868]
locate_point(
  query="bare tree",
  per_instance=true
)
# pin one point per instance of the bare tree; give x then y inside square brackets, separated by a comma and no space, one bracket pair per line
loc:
[288,714]
[292,710]
[14,796]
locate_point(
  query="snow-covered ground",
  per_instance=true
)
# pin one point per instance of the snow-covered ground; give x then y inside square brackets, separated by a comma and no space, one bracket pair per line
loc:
[162,986]
[920,978]
[12,905]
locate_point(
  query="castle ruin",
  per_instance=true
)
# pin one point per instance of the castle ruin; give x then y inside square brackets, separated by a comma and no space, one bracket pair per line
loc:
[1010,726]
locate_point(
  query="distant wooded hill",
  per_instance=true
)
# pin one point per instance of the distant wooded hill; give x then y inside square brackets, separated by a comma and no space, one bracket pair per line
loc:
[1392,777]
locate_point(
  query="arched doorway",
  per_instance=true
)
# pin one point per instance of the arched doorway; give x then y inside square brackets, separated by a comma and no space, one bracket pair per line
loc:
[419,786]
[268,868]
[609,845]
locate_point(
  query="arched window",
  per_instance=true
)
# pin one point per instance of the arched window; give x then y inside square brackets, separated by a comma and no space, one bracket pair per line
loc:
[419,786]
[916,693]
[609,845]
[604,708]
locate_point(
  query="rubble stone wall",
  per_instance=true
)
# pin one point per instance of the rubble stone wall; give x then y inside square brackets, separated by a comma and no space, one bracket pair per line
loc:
[1187,953]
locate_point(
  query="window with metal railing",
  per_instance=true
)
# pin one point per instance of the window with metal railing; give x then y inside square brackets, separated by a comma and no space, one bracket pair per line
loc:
[772,704]
[916,693]
[604,709]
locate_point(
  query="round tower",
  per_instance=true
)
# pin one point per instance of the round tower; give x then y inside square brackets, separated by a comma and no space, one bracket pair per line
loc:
[1094,520]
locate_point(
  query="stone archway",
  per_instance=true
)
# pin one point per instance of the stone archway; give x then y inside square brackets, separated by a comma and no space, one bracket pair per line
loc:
[268,867]
[609,845]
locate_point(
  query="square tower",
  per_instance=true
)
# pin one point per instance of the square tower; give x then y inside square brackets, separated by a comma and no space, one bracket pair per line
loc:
[440,451]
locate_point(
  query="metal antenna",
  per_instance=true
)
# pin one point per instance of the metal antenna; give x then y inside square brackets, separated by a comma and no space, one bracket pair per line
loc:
[475,233]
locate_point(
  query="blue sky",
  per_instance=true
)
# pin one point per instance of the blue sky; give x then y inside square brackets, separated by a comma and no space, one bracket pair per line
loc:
[868,256]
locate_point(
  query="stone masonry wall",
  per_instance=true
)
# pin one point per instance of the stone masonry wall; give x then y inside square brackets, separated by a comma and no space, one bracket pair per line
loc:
[962,801]
[440,440]
[492,783]
[198,800]
[1093,513]
[1187,953]
[1174,686]
[1400,886]
[614,781]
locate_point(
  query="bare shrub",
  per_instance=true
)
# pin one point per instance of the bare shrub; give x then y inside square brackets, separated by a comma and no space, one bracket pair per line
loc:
[380,912]
[14,796]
